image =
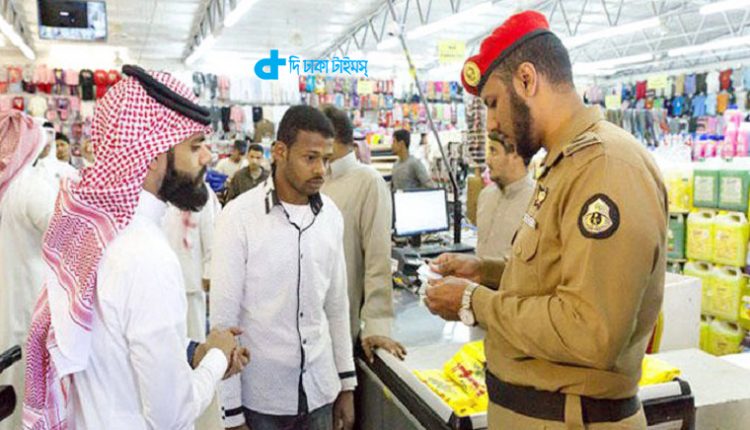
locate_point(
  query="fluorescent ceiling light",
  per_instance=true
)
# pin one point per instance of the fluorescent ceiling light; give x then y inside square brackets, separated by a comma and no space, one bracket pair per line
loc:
[16,39]
[199,50]
[584,67]
[720,44]
[723,6]
[449,21]
[239,10]
[575,41]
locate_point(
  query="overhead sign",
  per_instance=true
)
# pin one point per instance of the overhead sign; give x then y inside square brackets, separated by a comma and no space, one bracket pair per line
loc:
[451,51]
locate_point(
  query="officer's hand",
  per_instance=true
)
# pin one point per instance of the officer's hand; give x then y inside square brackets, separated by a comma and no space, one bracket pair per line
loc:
[459,265]
[443,297]
[371,343]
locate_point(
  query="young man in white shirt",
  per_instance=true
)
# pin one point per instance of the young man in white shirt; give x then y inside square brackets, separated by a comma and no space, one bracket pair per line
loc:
[236,160]
[279,273]
[107,342]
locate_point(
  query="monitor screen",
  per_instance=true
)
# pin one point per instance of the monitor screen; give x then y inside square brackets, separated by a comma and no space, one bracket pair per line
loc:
[72,20]
[420,211]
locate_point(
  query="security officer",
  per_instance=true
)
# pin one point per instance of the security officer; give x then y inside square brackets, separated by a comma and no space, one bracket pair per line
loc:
[581,292]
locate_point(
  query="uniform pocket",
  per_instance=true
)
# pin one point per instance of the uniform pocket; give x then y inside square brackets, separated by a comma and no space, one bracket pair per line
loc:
[526,243]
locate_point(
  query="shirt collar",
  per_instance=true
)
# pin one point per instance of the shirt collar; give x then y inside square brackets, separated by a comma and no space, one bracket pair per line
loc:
[515,187]
[343,165]
[150,207]
[566,133]
[272,197]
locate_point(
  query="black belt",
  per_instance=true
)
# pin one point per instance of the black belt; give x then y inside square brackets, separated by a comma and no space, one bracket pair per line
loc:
[549,406]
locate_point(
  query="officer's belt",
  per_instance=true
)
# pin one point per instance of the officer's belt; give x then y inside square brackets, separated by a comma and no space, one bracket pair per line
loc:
[549,406]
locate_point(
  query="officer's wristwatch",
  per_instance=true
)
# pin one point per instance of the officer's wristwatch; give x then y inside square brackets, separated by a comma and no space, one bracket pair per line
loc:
[465,313]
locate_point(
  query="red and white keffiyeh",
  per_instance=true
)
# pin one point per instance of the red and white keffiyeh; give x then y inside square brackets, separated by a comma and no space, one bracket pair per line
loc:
[21,141]
[130,129]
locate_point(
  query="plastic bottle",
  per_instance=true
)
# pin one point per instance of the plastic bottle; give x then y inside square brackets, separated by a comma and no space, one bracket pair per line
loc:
[728,286]
[724,338]
[700,234]
[703,271]
[730,238]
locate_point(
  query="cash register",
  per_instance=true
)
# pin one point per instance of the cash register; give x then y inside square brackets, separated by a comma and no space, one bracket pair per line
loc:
[416,213]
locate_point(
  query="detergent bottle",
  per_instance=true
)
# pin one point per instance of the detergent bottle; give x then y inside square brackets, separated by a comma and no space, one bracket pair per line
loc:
[731,233]
[728,285]
[700,234]
[703,271]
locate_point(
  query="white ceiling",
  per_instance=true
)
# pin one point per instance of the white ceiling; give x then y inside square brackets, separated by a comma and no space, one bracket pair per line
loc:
[160,30]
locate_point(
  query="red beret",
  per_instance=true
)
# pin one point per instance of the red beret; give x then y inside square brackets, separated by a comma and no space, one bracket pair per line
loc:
[514,32]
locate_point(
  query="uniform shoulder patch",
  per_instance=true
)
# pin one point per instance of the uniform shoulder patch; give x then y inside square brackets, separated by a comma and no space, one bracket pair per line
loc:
[599,218]
[583,141]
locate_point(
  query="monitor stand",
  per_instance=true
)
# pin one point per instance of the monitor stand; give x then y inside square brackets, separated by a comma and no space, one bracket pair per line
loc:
[415,241]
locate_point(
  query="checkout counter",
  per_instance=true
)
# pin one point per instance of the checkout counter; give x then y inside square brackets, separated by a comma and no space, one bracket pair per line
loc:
[704,397]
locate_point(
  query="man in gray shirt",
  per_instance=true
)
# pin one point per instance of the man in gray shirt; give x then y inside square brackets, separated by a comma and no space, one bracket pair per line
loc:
[408,172]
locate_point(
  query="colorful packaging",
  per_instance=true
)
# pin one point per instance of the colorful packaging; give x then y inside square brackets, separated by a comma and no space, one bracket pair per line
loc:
[706,185]
[731,233]
[704,272]
[655,371]
[676,237]
[734,185]
[468,373]
[744,311]
[705,332]
[728,286]
[700,233]
[451,393]
[724,338]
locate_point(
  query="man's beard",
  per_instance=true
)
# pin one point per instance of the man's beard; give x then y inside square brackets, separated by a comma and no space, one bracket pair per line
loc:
[526,147]
[184,192]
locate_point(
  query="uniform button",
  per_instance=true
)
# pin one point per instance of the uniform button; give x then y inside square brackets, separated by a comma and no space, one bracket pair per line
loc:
[301,314]
[304,342]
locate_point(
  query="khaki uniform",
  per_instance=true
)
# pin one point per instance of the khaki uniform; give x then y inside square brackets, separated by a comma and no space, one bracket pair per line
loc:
[582,290]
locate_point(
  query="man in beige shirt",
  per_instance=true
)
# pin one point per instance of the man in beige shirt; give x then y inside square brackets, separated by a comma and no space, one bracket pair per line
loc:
[364,200]
[501,205]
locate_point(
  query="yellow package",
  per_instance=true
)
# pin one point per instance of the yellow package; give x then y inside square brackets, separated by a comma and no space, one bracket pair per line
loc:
[700,235]
[475,350]
[731,234]
[724,338]
[451,393]
[468,373]
[728,285]
[655,371]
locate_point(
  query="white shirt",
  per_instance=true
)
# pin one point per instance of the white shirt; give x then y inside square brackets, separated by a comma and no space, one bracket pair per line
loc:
[228,167]
[138,376]
[190,234]
[286,288]
[25,211]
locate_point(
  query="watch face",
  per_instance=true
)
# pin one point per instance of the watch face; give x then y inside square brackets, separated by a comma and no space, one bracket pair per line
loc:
[467,317]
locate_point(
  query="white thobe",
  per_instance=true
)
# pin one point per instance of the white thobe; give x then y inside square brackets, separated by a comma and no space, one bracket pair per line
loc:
[190,235]
[229,167]
[138,376]
[25,211]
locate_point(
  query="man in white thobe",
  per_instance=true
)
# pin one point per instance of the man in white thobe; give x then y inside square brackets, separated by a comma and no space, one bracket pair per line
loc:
[190,235]
[25,210]
[107,344]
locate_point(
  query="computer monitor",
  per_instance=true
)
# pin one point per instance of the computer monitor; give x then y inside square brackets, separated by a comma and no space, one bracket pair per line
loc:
[418,212]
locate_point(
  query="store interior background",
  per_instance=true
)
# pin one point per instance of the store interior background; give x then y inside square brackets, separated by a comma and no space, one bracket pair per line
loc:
[611,43]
